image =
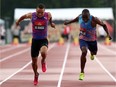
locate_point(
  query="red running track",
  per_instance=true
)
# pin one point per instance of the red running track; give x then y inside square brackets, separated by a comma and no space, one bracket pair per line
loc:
[63,64]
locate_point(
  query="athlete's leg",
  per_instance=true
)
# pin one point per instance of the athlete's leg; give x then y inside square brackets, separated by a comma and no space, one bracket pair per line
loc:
[83,62]
[83,47]
[83,58]
[92,46]
[35,65]
[43,51]
[34,55]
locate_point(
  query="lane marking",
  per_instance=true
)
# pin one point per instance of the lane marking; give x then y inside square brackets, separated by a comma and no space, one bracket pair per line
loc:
[18,53]
[64,63]
[97,60]
[1,46]
[15,73]
[23,67]
[103,47]
[11,48]
[105,69]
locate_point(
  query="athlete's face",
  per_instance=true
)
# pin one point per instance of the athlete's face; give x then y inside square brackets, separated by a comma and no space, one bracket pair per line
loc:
[40,12]
[85,16]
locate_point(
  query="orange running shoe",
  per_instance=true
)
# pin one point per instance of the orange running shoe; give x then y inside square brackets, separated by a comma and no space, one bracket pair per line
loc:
[35,82]
[44,67]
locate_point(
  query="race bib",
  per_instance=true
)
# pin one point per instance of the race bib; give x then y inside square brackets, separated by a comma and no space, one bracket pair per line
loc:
[39,27]
[82,32]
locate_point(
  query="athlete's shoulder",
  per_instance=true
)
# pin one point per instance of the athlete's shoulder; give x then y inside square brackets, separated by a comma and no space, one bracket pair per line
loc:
[79,16]
[94,18]
[48,14]
[97,20]
[28,15]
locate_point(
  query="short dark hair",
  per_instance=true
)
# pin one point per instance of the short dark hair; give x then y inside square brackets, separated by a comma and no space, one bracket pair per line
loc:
[41,6]
[85,11]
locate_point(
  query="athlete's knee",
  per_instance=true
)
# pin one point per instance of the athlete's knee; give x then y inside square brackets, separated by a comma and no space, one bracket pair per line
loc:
[43,54]
[84,51]
[44,51]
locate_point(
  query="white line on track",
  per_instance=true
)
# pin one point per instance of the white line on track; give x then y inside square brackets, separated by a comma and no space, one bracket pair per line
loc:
[22,68]
[18,53]
[11,48]
[103,47]
[64,63]
[15,73]
[5,45]
[102,64]
[105,69]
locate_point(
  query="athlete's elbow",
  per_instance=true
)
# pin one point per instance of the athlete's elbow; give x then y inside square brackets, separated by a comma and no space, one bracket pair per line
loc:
[104,26]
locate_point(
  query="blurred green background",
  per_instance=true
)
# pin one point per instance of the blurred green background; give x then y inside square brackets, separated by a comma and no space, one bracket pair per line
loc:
[7,7]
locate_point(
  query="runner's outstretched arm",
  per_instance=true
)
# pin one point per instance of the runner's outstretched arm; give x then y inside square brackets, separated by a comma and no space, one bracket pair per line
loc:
[50,20]
[72,21]
[29,15]
[103,25]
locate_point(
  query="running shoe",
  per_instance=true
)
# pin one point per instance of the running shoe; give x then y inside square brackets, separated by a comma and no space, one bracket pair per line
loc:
[81,76]
[92,57]
[44,67]
[35,82]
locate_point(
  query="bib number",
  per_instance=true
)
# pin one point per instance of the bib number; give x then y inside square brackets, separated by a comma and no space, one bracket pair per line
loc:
[39,27]
[82,32]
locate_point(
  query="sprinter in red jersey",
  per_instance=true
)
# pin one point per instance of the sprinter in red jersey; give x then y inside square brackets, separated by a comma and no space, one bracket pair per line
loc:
[39,20]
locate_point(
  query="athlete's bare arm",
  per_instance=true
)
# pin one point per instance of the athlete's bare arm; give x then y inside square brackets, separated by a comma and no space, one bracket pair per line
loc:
[98,21]
[26,16]
[50,20]
[72,21]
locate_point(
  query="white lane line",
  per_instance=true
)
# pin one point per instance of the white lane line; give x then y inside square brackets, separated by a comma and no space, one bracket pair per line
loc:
[18,53]
[15,72]
[103,47]
[97,60]
[105,69]
[64,63]
[5,45]
[11,48]
[22,68]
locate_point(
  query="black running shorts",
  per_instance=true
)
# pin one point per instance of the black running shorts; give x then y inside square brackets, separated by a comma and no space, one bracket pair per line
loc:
[36,45]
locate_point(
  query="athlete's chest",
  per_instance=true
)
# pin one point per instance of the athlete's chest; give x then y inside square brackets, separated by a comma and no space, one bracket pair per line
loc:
[40,23]
[88,25]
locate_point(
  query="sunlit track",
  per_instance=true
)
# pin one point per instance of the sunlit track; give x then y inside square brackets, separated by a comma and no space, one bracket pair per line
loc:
[102,66]
[96,73]
[11,48]
[22,67]
[64,68]
[105,48]
[113,44]
[3,46]
[105,69]
[18,53]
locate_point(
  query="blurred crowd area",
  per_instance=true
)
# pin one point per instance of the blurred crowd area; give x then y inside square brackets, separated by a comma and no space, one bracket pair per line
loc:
[24,32]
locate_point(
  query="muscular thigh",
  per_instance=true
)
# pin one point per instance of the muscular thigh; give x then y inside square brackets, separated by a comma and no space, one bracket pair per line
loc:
[35,48]
[38,45]
[92,46]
